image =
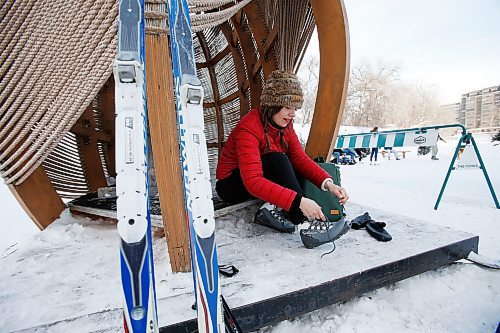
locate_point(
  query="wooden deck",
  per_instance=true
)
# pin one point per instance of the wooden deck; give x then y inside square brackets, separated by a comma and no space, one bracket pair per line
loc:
[106,207]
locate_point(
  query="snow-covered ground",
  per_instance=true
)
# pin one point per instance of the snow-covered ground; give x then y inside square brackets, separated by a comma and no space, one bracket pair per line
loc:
[458,298]
[14,223]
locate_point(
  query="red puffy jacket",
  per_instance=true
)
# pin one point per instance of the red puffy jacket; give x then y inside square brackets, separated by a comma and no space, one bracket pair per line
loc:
[244,148]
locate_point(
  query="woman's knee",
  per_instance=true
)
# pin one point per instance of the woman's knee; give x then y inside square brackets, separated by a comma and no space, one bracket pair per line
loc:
[276,166]
[275,158]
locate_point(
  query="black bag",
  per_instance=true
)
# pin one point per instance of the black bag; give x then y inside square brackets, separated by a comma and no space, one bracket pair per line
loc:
[329,203]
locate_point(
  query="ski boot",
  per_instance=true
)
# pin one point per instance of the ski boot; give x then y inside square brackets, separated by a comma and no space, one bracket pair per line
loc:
[272,217]
[320,232]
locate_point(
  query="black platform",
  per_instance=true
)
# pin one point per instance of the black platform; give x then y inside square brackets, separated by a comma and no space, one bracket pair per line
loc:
[279,279]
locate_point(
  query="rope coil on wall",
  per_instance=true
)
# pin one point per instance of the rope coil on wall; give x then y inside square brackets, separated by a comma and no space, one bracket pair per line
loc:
[55,56]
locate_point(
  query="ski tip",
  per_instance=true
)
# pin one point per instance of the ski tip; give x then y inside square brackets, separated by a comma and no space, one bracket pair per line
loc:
[483,261]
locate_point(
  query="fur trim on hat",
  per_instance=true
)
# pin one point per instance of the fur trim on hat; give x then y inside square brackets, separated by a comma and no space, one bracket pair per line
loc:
[282,88]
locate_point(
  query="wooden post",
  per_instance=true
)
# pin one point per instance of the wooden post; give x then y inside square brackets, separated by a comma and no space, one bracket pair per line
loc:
[267,61]
[91,160]
[215,88]
[239,67]
[165,146]
[250,60]
[38,198]
[333,38]
[107,106]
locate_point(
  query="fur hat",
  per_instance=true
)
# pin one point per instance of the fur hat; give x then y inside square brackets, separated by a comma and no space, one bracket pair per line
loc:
[282,88]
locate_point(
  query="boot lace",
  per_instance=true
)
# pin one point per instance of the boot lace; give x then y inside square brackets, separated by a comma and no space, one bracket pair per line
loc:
[278,214]
[320,225]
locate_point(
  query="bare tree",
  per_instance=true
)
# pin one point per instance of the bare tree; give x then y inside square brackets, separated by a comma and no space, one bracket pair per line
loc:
[309,77]
[376,97]
[309,80]
[367,98]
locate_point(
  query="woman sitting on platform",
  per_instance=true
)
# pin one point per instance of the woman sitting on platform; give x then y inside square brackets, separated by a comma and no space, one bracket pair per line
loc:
[263,158]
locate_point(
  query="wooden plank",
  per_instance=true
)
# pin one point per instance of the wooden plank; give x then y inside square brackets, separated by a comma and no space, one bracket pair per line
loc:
[38,198]
[267,58]
[165,146]
[156,220]
[229,209]
[250,58]
[222,101]
[107,108]
[270,39]
[333,38]
[213,61]
[89,152]
[215,89]
[112,213]
[238,66]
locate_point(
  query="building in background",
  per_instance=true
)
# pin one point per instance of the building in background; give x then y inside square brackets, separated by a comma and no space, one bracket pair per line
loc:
[452,109]
[477,109]
[481,108]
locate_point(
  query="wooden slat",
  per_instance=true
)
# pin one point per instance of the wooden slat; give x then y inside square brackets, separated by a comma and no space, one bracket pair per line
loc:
[246,46]
[107,107]
[38,198]
[91,160]
[333,37]
[165,146]
[270,39]
[87,132]
[238,66]
[215,89]
[212,62]
[225,100]
[261,34]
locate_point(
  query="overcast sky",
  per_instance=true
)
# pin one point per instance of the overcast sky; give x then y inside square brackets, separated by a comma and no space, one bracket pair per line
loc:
[451,45]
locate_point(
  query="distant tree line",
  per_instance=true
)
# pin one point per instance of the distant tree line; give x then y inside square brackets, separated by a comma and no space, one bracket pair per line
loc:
[377,97]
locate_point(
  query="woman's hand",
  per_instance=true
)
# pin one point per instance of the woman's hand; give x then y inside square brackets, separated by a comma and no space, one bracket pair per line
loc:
[311,209]
[337,191]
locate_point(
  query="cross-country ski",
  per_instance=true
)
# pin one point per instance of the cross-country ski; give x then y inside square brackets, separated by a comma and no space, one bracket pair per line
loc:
[134,224]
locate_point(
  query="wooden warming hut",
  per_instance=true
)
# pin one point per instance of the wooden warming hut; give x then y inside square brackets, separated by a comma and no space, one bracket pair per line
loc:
[57,91]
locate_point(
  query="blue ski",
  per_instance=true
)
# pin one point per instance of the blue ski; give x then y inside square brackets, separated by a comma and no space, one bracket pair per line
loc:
[195,170]
[134,224]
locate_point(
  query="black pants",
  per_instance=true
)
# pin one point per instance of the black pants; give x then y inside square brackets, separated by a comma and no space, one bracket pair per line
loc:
[278,169]
[374,153]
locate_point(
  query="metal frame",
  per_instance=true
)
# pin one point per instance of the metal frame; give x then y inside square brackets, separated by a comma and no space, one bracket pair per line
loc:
[467,138]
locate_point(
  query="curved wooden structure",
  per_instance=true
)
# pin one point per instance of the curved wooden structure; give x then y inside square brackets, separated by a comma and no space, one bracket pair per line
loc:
[234,56]
[333,35]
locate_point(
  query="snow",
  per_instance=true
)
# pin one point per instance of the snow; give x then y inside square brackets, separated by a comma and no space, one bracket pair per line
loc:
[458,298]
[16,226]
[41,269]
